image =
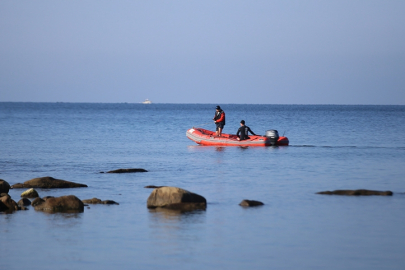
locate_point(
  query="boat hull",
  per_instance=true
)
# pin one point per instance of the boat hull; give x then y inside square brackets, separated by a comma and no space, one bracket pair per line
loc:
[207,137]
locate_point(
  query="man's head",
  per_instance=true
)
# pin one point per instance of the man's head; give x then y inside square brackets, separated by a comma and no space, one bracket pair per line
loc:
[218,108]
[242,122]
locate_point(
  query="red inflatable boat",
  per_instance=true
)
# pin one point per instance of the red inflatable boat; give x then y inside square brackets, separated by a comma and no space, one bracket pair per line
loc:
[207,137]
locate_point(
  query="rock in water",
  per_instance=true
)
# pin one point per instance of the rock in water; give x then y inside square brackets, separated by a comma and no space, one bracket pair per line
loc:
[175,198]
[47,182]
[127,171]
[153,186]
[68,203]
[7,204]
[24,202]
[358,192]
[30,193]
[4,186]
[37,201]
[250,203]
[98,201]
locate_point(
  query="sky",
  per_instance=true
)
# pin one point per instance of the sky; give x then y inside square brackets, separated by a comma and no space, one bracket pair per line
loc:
[221,52]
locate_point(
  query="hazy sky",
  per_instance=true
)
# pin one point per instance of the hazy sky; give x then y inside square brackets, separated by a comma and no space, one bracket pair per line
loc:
[273,52]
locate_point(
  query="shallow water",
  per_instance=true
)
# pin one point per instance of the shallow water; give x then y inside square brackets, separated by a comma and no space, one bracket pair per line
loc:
[331,147]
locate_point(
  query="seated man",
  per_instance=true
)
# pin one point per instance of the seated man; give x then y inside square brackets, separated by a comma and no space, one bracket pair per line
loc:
[243,130]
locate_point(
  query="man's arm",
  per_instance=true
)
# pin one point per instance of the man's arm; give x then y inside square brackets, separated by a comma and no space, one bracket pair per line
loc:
[222,117]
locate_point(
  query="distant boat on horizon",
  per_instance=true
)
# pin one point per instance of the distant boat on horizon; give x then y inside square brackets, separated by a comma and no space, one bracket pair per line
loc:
[147,101]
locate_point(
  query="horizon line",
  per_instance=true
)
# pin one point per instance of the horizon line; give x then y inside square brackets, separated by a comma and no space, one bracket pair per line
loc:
[162,103]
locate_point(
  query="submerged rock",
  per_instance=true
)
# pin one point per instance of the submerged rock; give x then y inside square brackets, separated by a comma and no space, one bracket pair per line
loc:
[357,192]
[47,182]
[30,193]
[4,186]
[68,203]
[98,201]
[175,198]
[250,203]
[127,171]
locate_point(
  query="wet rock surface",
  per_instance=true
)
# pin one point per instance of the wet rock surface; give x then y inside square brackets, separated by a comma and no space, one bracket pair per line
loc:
[357,192]
[47,182]
[175,198]
[68,204]
[128,170]
[98,201]
[249,203]
[4,186]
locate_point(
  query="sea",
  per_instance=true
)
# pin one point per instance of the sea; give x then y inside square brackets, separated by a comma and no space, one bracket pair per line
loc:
[331,147]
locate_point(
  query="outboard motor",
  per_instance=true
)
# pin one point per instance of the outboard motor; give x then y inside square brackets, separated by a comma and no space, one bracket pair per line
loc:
[272,136]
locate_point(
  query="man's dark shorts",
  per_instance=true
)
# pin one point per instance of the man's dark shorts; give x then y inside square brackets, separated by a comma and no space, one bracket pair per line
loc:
[220,125]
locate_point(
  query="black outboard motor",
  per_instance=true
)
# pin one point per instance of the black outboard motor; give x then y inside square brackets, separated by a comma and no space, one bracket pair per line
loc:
[272,136]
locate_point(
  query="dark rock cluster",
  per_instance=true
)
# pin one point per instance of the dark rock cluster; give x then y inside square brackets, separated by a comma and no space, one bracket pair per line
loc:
[162,198]
[69,203]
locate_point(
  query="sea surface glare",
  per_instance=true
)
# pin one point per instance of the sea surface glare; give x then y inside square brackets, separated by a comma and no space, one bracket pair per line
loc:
[331,147]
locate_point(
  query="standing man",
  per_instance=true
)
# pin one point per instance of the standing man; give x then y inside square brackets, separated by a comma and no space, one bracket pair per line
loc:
[243,130]
[219,120]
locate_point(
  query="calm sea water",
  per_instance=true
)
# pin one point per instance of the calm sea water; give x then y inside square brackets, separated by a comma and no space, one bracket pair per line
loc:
[331,147]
